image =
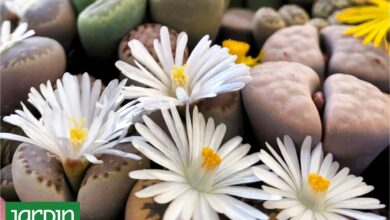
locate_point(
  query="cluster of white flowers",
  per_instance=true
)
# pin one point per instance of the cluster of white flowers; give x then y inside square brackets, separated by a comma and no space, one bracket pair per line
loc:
[201,175]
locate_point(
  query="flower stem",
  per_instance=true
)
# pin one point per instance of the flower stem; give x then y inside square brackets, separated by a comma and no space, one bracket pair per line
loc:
[74,170]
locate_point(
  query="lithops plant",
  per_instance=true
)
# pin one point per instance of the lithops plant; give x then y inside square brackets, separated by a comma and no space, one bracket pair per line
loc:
[277,97]
[39,176]
[143,208]
[266,22]
[322,9]
[26,62]
[79,126]
[298,43]
[293,14]
[146,34]
[49,18]
[348,55]
[237,24]
[7,147]
[356,118]
[325,8]
[105,187]
[7,189]
[102,24]
[225,108]
[319,23]
[332,19]
[197,17]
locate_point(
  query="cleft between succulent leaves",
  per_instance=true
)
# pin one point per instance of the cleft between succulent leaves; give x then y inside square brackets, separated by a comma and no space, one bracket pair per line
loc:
[74,170]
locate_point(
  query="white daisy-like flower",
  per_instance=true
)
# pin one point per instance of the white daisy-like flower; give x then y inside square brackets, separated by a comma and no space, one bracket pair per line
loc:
[313,187]
[207,72]
[8,39]
[76,120]
[202,173]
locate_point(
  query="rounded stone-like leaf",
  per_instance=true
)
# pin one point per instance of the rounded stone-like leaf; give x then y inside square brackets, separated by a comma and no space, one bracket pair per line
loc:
[28,64]
[237,25]
[146,34]
[299,43]
[7,189]
[196,17]
[52,18]
[356,118]
[38,176]
[105,186]
[8,147]
[319,23]
[293,14]
[266,22]
[225,108]
[348,55]
[102,24]
[279,102]
[143,208]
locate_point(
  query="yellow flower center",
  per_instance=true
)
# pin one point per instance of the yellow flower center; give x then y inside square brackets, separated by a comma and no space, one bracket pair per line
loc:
[238,48]
[179,77]
[318,183]
[78,133]
[210,159]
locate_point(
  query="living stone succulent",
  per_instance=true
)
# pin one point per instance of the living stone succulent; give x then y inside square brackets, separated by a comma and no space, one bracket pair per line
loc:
[322,9]
[275,98]
[146,34]
[7,189]
[237,24]
[39,176]
[356,119]
[225,108]
[298,43]
[143,208]
[319,23]
[28,64]
[102,24]
[197,17]
[348,55]
[265,22]
[325,8]
[49,18]
[293,14]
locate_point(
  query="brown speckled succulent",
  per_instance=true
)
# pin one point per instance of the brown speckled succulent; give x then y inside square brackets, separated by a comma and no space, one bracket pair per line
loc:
[28,64]
[39,176]
[49,18]
[146,34]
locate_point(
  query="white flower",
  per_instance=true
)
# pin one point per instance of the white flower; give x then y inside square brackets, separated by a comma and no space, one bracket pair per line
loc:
[202,175]
[312,187]
[208,71]
[76,121]
[8,39]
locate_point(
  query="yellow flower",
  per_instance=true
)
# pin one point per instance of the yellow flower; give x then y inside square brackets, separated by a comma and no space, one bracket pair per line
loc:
[240,49]
[373,22]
